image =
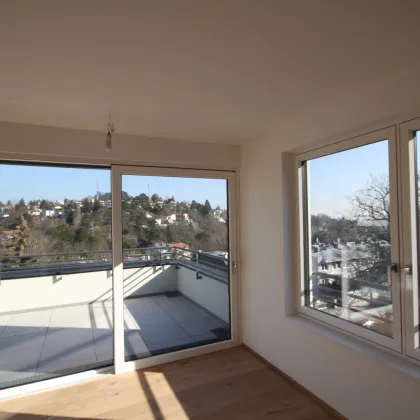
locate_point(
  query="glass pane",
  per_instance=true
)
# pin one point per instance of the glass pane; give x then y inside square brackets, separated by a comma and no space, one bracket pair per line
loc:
[416,288]
[176,276]
[349,273]
[55,272]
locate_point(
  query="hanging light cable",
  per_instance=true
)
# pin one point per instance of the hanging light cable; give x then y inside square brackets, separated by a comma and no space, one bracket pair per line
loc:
[111,129]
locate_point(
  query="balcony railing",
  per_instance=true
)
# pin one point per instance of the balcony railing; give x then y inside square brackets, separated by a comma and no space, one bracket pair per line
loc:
[22,266]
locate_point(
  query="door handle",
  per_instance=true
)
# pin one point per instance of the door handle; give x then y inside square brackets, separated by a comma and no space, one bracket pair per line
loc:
[233,267]
[408,269]
[393,268]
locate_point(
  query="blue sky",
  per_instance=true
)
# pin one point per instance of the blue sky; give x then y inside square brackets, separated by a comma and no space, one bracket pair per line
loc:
[197,189]
[55,183]
[335,177]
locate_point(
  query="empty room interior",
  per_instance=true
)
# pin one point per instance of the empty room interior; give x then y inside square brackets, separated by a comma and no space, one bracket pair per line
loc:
[209,209]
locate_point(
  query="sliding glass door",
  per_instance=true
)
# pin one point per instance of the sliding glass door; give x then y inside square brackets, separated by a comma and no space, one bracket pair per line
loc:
[174,261]
[102,266]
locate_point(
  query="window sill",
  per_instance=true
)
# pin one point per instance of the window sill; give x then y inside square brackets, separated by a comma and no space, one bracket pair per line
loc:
[379,353]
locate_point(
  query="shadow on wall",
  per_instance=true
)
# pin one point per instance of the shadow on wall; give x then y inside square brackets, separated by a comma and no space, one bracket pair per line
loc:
[145,281]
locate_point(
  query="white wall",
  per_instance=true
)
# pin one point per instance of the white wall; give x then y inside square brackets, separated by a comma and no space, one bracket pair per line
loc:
[207,292]
[358,385]
[41,292]
[19,141]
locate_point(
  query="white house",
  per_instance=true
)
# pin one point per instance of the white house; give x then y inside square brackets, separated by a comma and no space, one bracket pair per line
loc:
[48,213]
[165,221]
[172,218]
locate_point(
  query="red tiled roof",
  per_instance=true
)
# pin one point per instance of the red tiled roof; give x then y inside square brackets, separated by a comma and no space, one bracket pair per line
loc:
[179,245]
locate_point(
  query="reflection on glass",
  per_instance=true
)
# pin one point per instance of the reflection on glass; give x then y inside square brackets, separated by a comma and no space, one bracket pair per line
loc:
[349,234]
[176,277]
[55,272]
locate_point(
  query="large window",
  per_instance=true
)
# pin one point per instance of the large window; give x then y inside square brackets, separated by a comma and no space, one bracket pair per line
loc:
[350,238]
[359,244]
[350,266]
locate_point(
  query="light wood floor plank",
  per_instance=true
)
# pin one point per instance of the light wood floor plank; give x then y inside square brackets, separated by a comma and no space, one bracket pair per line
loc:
[230,384]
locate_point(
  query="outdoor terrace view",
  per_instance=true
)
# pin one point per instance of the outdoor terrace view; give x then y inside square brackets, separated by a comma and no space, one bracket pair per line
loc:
[56,272]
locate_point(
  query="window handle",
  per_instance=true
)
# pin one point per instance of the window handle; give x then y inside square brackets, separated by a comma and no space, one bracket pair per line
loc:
[394,267]
[408,268]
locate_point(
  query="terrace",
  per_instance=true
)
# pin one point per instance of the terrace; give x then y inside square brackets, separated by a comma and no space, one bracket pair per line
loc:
[57,309]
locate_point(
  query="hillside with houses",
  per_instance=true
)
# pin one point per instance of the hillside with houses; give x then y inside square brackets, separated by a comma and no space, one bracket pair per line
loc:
[44,226]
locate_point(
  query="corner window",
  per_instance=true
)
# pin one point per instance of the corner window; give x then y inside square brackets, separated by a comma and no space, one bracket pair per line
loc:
[350,275]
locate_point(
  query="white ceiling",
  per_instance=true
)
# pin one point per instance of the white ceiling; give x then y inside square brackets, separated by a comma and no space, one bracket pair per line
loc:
[203,70]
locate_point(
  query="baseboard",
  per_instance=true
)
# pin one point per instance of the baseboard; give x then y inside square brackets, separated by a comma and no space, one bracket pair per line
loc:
[300,387]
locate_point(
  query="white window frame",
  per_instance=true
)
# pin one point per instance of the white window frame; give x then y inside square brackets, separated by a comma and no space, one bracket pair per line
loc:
[119,352]
[304,249]
[410,226]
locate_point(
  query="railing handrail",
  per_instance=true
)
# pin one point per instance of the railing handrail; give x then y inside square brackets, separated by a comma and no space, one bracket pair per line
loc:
[4,257]
[196,260]
[199,253]
[361,282]
[106,251]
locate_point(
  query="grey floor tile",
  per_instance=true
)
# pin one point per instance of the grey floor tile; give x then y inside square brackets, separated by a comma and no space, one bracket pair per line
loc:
[171,343]
[145,305]
[104,350]
[135,344]
[159,328]
[71,317]
[193,319]
[67,359]
[205,337]
[101,317]
[68,364]
[4,322]
[68,345]
[27,322]
[21,352]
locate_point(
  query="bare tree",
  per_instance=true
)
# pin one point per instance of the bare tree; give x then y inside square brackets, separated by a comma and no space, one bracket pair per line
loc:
[371,210]
[370,205]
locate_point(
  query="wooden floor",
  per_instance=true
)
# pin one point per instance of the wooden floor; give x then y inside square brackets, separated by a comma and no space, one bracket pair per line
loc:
[230,384]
